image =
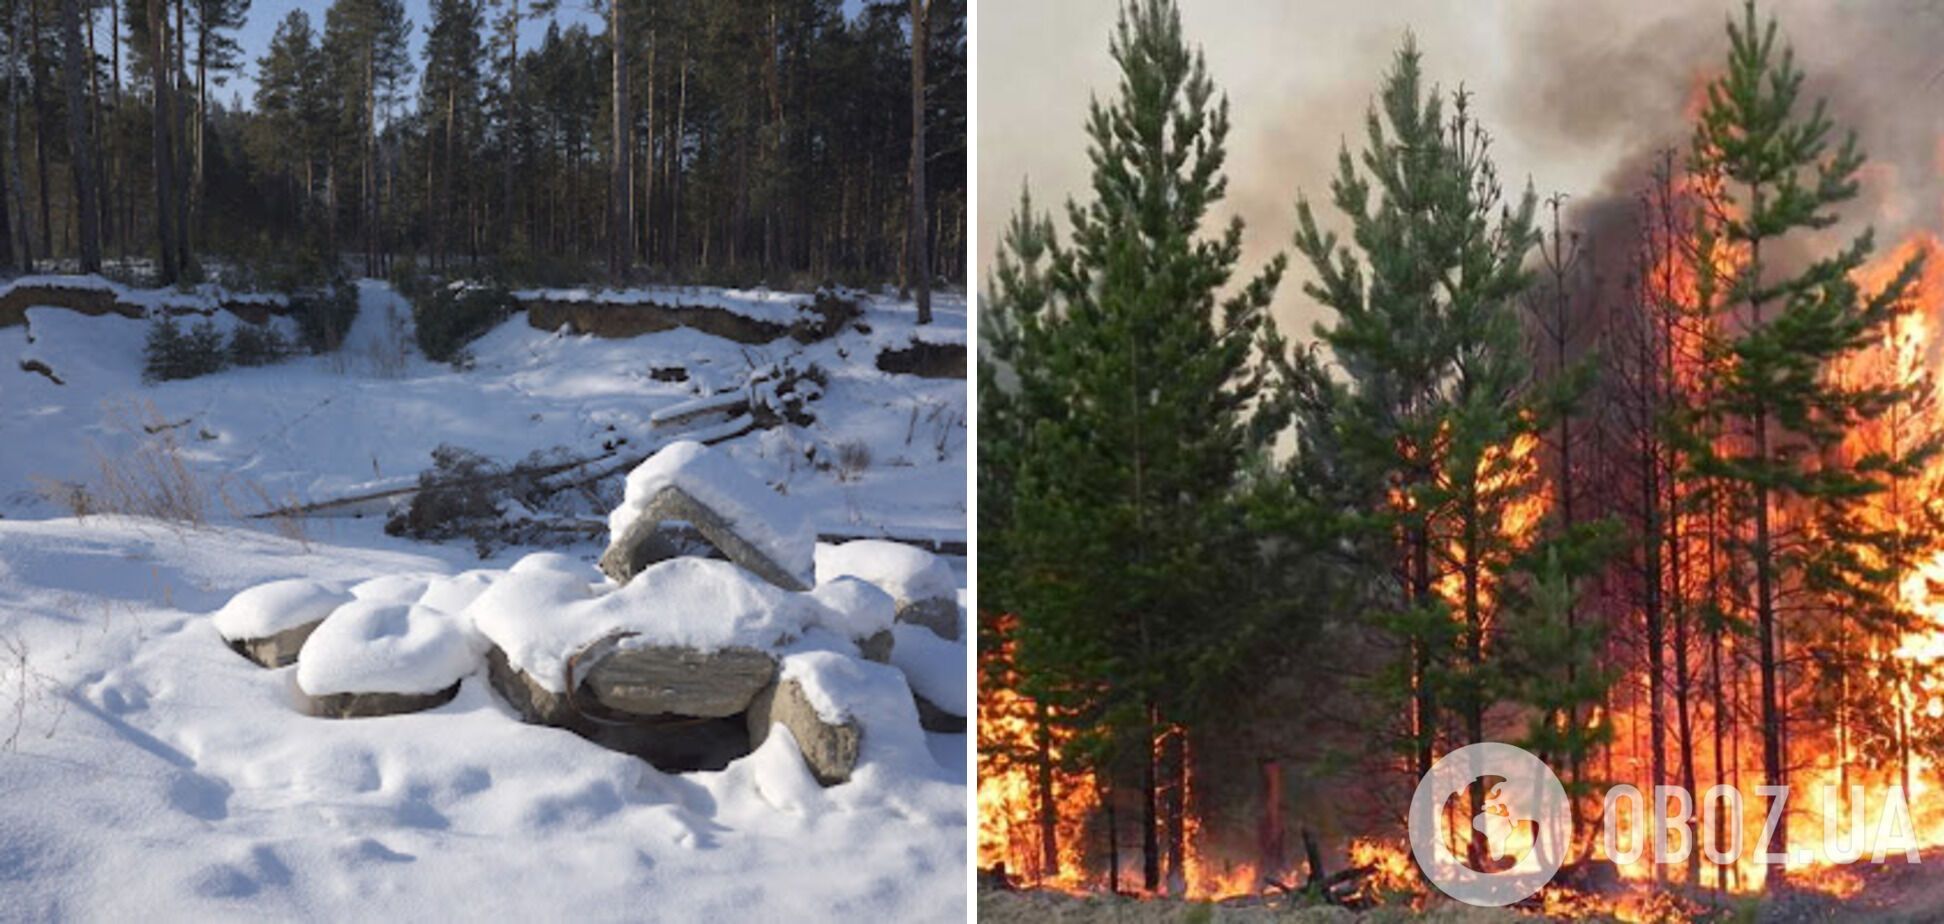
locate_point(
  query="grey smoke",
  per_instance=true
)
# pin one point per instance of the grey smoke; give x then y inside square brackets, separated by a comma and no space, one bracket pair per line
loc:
[1580,96]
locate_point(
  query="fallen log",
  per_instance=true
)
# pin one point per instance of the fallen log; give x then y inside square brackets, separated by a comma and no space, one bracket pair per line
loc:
[482,481]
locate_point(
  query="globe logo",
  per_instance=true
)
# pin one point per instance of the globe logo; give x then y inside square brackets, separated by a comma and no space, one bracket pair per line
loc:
[1508,850]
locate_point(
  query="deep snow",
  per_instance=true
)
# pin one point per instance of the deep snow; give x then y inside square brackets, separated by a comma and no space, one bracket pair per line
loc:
[150,773]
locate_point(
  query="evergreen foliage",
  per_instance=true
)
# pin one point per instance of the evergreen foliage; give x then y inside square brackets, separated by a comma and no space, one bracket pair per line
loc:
[257,345]
[171,352]
[447,317]
[1772,172]
[324,315]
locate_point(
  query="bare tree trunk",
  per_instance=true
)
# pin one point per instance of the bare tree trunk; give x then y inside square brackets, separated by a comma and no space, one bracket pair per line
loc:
[6,217]
[620,221]
[164,146]
[647,224]
[675,165]
[80,139]
[196,183]
[15,186]
[9,180]
[126,228]
[514,120]
[445,179]
[105,209]
[919,272]
[371,164]
[41,118]
[185,245]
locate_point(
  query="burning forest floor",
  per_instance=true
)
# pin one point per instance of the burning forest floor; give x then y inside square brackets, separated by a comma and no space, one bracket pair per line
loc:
[1893,893]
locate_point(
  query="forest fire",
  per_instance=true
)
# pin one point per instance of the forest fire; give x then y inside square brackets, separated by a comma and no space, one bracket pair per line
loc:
[1672,523]
[1022,765]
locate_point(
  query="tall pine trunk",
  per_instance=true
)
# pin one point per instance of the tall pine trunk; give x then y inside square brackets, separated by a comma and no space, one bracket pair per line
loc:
[1765,615]
[1150,804]
[1176,756]
[15,187]
[103,208]
[515,118]
[164,146]
[371,163]
[919,271]
[675,259]
[620,203]
[80,139]
[6,216]
[185,245]
[1049,810]
[41,119]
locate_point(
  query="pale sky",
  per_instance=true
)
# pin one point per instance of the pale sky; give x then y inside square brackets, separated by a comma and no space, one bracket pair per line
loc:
[266,14]
[1569,91]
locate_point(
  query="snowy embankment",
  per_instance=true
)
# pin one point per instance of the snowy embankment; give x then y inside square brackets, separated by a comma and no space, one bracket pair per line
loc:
[151,773]
[318,428]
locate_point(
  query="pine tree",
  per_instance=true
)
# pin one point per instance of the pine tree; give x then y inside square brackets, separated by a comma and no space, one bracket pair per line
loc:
[293,108]
[1127,532]
[449,99]
[217,54]
[80,136]
[1768,173]
[170,233]
[1016,392]
[1424,437]
[917,258]
[365,46]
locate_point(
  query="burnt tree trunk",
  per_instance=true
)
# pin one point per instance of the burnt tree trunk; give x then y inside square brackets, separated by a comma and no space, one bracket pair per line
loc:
[1271,838]
[1175,754]
[1150,809]
[1049,810]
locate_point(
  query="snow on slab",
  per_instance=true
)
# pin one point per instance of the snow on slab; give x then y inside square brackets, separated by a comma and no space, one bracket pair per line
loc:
[934,667]
[393,588]
[861,609]
[554,563]
[453,594]
[774,524]
[875,696]
[906,572]
[180,782]
[541,618]
[267,609]
[371,646]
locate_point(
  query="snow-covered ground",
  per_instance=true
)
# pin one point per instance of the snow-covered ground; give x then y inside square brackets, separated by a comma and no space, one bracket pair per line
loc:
[147,772]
